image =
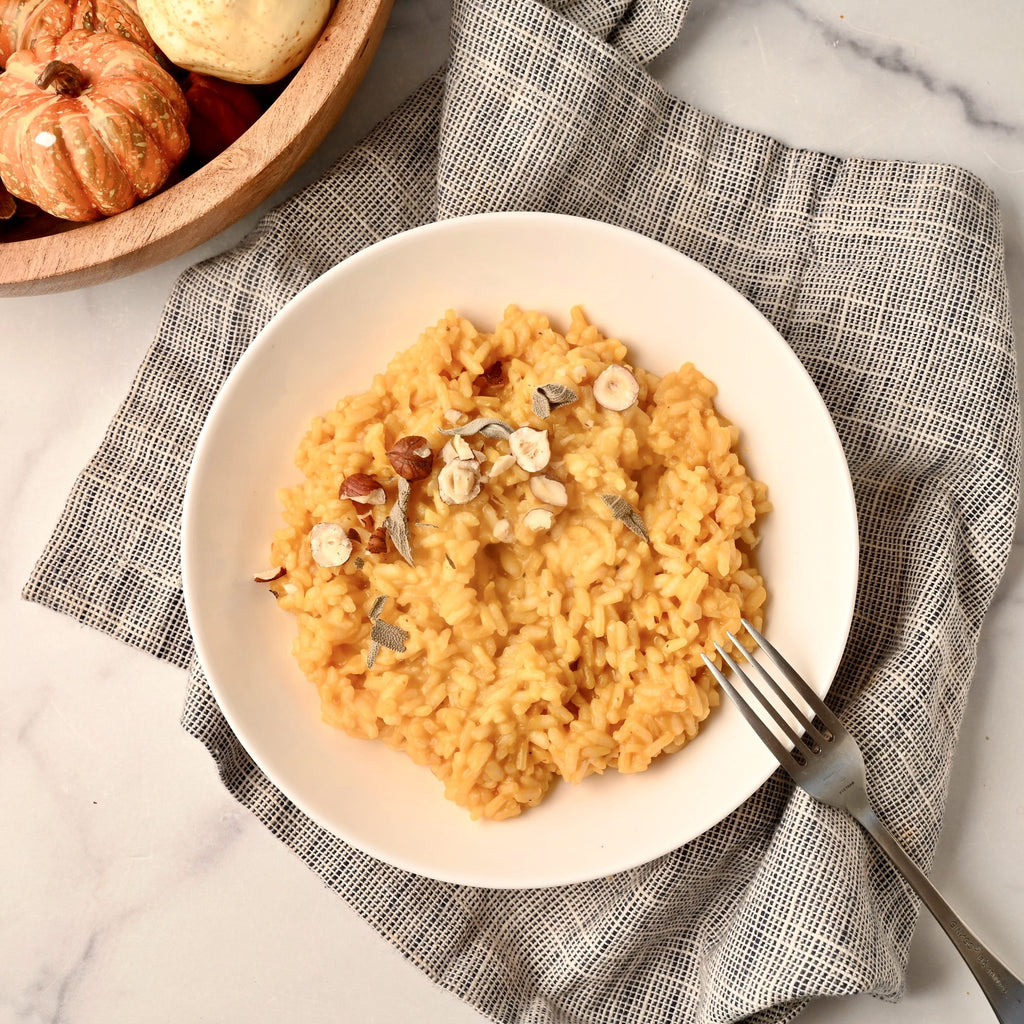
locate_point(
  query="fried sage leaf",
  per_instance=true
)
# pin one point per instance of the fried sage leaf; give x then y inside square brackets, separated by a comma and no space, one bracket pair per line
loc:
[375,609]
[626,514]
[383,634]
[387,634]
[397,522]
[482,425]
[549,397]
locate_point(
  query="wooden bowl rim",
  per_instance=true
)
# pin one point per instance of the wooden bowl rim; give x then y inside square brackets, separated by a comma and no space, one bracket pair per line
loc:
[222,191]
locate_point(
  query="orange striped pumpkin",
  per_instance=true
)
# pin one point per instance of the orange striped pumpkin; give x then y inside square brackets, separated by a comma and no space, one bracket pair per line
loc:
[24,22]
[89,125]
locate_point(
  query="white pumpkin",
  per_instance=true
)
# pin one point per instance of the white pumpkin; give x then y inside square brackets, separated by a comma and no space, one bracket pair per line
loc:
[248,41]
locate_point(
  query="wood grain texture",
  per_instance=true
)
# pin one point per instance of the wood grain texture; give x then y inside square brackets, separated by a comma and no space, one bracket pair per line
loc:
[221,192]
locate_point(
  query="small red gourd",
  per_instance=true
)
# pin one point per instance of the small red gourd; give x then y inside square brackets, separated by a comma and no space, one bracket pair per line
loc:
[24,22]
[89,125]
[220,113]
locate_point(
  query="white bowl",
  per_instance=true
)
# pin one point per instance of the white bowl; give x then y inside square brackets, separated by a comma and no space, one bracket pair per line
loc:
[329,341]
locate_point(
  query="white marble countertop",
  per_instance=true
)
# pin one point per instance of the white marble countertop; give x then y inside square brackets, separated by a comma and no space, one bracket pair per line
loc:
[132,887]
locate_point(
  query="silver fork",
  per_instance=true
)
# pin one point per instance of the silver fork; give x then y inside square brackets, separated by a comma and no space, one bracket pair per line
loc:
[826,761]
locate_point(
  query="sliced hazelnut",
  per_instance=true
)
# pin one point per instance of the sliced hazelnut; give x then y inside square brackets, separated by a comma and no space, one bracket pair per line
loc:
[362,489]
[330,545]
[539,519]
[616,388]
[503,462]
[503,531]
[549,490]
[459,482]
[412,457]
[269,575]
[530,448]
[453,415]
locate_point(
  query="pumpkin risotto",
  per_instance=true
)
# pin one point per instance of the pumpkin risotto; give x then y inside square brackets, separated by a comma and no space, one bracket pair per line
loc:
[507,557]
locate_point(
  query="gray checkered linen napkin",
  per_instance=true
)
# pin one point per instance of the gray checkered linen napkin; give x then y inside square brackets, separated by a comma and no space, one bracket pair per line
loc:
[887,280]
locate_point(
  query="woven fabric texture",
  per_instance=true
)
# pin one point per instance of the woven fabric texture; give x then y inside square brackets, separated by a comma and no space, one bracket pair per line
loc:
[887,280]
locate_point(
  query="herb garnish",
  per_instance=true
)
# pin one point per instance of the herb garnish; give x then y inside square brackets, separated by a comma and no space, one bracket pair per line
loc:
[383,634]
[387,634]
[549,397]
[482,425]
[626,514]
[397,522]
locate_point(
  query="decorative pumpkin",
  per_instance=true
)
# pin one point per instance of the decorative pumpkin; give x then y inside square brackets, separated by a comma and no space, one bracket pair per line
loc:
[24,22]
[248,41]
[89,124]
[219,113]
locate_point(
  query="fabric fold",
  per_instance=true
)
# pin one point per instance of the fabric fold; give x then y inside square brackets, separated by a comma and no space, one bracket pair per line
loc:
[885,277]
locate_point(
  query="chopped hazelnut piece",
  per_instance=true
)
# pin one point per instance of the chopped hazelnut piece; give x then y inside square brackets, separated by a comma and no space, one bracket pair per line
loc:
[616,388]
[493,375]
[503,532]
[539,519]
[530,448]
[378,542]
[506,461]
[362,489]
[330,545]
[549,490]
[458,448]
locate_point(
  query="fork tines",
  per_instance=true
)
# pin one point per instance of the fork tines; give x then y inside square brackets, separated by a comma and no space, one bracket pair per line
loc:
[796,724]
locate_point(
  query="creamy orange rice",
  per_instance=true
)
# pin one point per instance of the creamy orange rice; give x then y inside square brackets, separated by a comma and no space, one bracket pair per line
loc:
[530,654]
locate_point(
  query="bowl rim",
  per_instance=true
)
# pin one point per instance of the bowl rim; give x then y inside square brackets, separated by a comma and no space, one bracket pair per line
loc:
[222,191]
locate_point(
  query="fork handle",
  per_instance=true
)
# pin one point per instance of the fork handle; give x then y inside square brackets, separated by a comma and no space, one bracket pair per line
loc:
[1002,988]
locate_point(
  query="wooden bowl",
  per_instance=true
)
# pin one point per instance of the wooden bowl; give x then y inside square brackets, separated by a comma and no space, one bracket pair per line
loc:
[220,192]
